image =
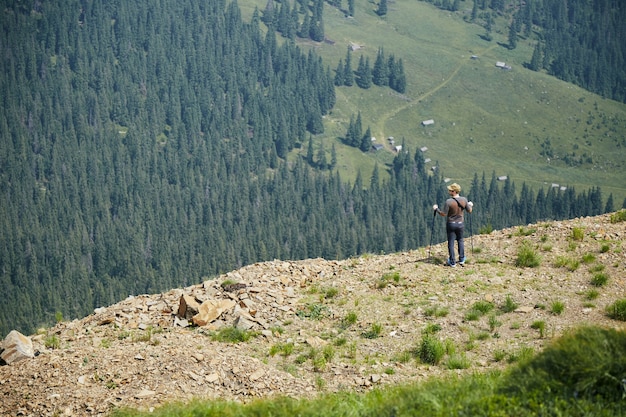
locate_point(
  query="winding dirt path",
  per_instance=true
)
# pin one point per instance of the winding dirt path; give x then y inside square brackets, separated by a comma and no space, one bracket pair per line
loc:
[385,117]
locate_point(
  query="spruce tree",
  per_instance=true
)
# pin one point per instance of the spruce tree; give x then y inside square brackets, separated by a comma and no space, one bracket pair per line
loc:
[380,73]
[348,74]
[382,8]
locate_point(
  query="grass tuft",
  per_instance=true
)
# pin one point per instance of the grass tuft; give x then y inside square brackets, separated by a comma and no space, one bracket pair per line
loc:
[599,279]
[509,305]
[431,350]
[231,334]
[619,216]
[617,310]
[527,257]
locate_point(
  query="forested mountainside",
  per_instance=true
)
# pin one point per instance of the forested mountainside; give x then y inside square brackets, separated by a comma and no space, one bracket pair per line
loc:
[143,146]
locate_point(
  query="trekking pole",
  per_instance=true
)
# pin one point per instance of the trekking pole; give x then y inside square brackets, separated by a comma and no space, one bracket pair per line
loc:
[432,230]
[471,234]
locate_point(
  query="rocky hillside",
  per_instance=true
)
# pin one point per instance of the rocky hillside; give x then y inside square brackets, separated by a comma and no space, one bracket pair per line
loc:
[319,325]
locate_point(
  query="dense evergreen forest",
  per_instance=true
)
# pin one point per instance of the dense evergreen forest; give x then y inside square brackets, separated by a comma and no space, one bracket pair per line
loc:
[143,145]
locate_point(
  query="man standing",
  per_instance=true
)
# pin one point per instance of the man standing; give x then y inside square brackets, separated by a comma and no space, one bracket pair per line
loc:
[453,210]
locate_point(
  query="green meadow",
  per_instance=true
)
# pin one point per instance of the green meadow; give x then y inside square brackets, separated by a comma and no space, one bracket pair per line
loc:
[523,124]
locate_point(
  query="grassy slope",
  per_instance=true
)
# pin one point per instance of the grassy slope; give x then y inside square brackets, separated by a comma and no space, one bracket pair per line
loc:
[486,119]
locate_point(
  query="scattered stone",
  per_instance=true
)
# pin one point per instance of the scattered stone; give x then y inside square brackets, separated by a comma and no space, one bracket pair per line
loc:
[188,307]
[257,374]
[146,393]
[212,378]
[316,342]
[233,287]
[16,347]
[242,323]
[211,310]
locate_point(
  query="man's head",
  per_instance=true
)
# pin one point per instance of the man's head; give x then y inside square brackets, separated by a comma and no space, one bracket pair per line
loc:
[455,188]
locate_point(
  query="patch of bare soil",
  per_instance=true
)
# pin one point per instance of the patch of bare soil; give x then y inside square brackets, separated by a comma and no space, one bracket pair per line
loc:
[324,326]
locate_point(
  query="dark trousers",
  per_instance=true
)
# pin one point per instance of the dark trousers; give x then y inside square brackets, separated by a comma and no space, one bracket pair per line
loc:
[455,232]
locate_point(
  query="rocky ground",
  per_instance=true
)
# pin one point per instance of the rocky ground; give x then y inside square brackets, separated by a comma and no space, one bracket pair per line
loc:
[321,326]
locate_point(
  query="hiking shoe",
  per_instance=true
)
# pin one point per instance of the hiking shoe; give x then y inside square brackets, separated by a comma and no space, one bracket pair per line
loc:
[462,261]
[450,263]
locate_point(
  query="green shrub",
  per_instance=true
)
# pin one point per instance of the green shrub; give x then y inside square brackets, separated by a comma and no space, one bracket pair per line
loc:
[527,257]
[483,306]
[617,310]
[486,229]
[499,355]
[314,311]
[329,353]
[509,305]
[340,341]
[578,233]
[431,350]
[589,258]
[521,355]
[52,342]
[582,363]
[600,279]
[522,231]
[436,311]
[573,265]
[231,334]
[560,261]
[403,357]
[494,323]
[619,216]
[472,315]
[348,320]
[478,309]
[557,307]
[459,361]
[431,328]
[285,349]
[563,261]
[373,332]
[331,292]
[319,363]
[541,326]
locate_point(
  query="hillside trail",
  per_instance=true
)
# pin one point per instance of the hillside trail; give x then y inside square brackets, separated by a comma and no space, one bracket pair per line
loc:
[385,117]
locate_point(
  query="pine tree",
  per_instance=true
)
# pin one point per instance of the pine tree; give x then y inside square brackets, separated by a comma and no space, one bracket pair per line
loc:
[351,7]
[382,8]
[333,156]
[322,162]
[535,61]
[348,74]
[364,73]
[380,73]
[309,153]
[513,34]
[340,74]
[366,140]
